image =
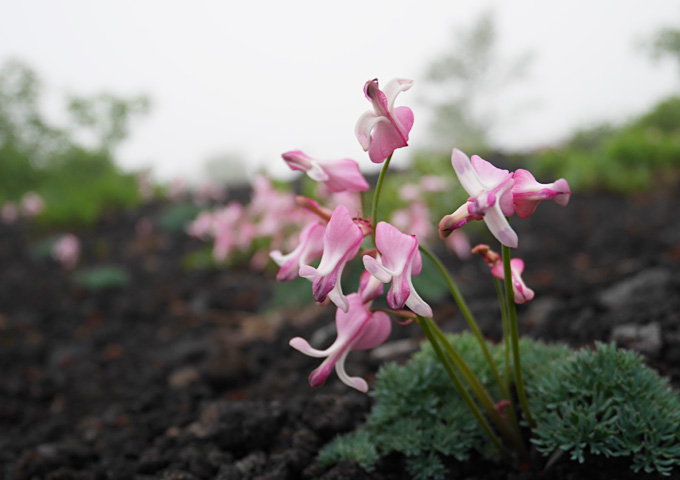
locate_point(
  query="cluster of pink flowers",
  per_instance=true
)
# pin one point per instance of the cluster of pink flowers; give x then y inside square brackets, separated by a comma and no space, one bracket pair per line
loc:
[271,215]
[30,206]
[336,236]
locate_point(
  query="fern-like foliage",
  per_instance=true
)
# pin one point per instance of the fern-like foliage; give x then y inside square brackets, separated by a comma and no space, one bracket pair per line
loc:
[419,414]
[607,402]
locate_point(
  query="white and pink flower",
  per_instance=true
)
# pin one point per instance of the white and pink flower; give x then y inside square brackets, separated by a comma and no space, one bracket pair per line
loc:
[399,260]
[490,199]
[341,175]
[358,329]
[386,128]
[341,242]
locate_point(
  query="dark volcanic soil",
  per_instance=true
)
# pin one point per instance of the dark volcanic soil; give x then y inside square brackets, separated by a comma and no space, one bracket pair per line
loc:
[183,375]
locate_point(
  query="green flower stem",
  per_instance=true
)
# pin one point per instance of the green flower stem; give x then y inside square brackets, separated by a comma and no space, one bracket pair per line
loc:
[514,336]
[376,195]
[426,325]
[506,332]
[482,395]
[466,313]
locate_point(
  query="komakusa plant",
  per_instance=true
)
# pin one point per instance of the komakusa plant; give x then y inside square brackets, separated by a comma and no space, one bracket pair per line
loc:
[392,258]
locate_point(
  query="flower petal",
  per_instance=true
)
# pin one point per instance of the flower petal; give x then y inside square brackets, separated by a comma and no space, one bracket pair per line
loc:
[466,175]
[500,228]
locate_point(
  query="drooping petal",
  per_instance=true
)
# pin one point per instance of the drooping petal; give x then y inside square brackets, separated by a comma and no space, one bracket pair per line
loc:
[399,260]
[341,242]
[521,293]
[500,228]
[358,329]
[528,193]
[384,140]
[309,249]
[343,175]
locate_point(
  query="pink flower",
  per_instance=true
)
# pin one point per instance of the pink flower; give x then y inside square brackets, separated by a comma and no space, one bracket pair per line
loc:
[415,220]
[231,231]
[490,198]
[202,226]
[66,251]
[309,249]
[383,130]
[370,287]
[521,293]
[341,242]
[9,213]
[527,193]
[340,175]
[358,329]
[459,243]
[400,259]
[32,204]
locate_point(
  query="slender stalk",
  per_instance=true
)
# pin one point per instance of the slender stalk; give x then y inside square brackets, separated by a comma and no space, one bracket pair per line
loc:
[482,395]
[506,331]
[376,195]
[514,336]
[426,325]
[455,292]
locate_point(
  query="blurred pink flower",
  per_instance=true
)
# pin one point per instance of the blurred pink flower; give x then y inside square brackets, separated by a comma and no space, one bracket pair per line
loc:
[32,204]
[527,193]
[66,251]
[9,213]
[490,198]
[341,175]
[414,220]
[386,128]
[399,260]
[433,183]
[358,329]
[459,243]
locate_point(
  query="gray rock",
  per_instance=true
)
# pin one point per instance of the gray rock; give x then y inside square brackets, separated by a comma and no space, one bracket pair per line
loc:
[643,338]
[653,281]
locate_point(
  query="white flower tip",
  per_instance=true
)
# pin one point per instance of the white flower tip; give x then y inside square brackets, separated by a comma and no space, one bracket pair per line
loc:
[508,237]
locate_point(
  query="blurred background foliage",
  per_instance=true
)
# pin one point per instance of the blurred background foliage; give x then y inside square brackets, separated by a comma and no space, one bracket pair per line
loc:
[72,167]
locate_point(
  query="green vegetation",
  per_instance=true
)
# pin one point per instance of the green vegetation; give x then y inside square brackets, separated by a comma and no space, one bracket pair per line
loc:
[100,278]
[606,402]
[643,154]
[419,414]
[78,179]
[602,401]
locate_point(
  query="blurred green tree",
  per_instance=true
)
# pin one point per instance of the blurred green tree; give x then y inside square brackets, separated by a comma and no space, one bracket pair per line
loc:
[466,83]
[78,181]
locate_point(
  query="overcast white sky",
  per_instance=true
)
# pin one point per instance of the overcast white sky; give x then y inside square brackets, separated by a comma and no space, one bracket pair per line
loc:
[262,77]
